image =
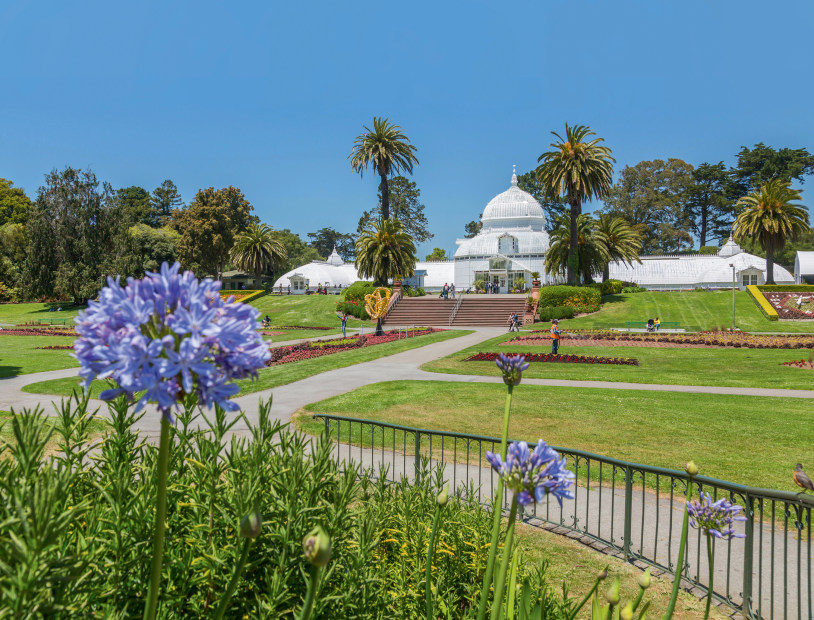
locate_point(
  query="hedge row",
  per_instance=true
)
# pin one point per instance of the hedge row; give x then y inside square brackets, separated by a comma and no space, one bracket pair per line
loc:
[786,288]
[561,295]
[765,307]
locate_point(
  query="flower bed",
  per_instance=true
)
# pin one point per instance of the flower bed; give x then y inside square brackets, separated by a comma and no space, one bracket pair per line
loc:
[737,340]
[559,358]
[800,364]
[288,327]
[244,296]
[41,331]
[791,305]
[57,347]
[309,350]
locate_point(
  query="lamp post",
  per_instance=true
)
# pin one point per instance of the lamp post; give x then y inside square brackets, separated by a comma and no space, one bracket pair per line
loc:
[734,282]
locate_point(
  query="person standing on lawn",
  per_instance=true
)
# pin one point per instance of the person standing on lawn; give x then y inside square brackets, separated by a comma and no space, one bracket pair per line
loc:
[555,337]
[344,318]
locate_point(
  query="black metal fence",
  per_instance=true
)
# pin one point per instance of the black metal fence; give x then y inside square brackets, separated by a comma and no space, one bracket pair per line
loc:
[636,509]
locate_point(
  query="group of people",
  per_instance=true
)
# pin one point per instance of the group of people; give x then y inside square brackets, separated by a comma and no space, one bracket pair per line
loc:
[653,324]
[514,322]
[323,290]
[448,291]
[492,287]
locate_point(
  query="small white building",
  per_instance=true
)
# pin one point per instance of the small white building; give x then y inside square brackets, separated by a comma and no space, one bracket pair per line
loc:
[512,243]
[676,272]
[804,268]
[333,273]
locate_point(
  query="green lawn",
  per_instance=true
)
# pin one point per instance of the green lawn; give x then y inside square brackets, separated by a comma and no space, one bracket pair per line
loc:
[277,375]
[13,314]
[722,434]
[695,310]
[20,355]
[316,310]
[729,367]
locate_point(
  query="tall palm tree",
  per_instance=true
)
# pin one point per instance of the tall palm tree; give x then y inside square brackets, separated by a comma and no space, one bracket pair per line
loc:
[770,217]
[621,240]
[579,169]
[386,149]
[257,251]
[592,254]
[385,251]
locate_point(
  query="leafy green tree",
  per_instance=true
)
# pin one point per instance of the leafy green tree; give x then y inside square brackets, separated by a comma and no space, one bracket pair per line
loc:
[708,249]
[763,163]
[771,217]
[784,256]
[621,241]
[388,151]
[326,239]
[651,196]
[554,205]
[166,199]
[257,251]
[579,169]
[405,206]
[437,254]
[149,247]
[591,251]
[385,251]
[135,202]
[12,252]
[297,251]
[710,202]
[14,203]
[73,229]
[207,228]
[473,228]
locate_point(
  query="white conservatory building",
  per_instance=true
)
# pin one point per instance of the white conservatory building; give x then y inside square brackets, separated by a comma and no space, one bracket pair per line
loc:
[676,272]
[511,245]
[333,273]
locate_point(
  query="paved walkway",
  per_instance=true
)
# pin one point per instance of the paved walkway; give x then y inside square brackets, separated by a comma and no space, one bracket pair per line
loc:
[288,399]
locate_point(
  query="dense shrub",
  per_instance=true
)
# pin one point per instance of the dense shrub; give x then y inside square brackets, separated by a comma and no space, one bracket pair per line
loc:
[611,287]
[353,299]
[76,525]
[562,295]
[557,312]
[633,289]
[410,291]
[353,308]
[479,285]
[786,288]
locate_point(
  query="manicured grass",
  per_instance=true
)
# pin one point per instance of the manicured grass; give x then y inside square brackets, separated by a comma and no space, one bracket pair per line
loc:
[319,310]
[20,356]
[296,334]
[695,310]
[13,314]
[761,368]
[721,433]
[277,375]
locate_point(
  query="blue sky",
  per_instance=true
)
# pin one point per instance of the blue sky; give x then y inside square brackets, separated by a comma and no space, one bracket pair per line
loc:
[269,96]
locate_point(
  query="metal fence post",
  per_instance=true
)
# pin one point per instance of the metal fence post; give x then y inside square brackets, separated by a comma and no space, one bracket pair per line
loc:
[417,456]
[628,511]
[748,556]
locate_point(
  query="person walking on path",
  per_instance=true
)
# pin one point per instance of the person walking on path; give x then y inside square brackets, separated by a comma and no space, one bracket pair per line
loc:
[446,291]
[452,290]
[555,337]
[344,318]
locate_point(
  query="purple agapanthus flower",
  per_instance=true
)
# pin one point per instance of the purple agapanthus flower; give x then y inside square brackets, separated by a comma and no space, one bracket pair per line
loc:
[512,367]
[168,335]
[715,519]
[533,474]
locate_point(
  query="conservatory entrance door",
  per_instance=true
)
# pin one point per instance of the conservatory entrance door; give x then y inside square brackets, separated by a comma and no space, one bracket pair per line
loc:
[500,280]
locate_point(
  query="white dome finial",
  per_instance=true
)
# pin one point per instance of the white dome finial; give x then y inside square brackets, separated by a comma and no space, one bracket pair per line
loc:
[514,175]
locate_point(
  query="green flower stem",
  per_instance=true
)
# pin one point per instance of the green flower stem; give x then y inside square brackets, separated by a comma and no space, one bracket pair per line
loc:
[490,563]
[224,601]
[151,605]
[711,569]
[587,598]
[428,572]
[680,565]
[311,594]
[497,603]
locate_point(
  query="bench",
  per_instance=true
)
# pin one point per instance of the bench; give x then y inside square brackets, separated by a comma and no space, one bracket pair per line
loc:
[52,321]
[643,325]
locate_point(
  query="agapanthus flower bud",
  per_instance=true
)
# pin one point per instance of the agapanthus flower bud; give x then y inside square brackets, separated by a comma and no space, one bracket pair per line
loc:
[443,497]
[644,579]
[603,574]
[251,525]
[512,367]
[613,597]
[691,468]
[627,611]
[317,547]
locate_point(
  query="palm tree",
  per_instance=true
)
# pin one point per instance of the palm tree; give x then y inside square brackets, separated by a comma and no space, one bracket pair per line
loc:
[592,254]
[257,250]
[770,217]
[385,251]
[578,169]
[389,152]
[621,240]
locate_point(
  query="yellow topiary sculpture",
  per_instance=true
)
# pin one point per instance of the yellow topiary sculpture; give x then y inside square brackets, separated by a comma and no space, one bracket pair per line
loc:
[376,306]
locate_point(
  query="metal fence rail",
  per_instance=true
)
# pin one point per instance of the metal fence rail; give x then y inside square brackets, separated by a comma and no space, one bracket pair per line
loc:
[633,508]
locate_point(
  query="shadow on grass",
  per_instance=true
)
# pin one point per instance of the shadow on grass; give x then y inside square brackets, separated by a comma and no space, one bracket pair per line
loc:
[9,371]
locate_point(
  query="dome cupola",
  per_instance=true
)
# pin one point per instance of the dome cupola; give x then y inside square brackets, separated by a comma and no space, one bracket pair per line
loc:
[513,208]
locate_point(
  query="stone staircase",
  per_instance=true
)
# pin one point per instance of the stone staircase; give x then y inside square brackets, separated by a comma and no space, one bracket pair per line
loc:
[475,310]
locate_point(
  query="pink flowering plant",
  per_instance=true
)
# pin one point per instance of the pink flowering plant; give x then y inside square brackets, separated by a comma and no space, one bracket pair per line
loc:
[169,337]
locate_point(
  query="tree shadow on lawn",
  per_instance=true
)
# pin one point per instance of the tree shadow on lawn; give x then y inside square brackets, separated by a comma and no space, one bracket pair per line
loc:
[10,371]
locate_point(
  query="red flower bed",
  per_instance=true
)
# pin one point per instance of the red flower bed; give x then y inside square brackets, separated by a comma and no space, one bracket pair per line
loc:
[44,331]
[559,358]
[736,340]
[800,364]
[791,305]
[309,350]
[287,327]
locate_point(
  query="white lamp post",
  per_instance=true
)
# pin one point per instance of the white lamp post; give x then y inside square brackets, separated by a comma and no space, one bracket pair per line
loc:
[734,282]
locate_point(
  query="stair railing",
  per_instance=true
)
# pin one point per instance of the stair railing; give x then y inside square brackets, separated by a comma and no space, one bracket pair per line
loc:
[394,299]
[455,309]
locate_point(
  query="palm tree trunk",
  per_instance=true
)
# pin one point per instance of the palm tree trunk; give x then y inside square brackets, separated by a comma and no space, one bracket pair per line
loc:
[606,272]
[385,190]
[259,280]
[770,265]
[573,258]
